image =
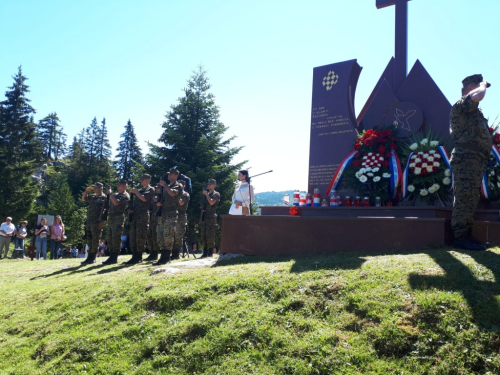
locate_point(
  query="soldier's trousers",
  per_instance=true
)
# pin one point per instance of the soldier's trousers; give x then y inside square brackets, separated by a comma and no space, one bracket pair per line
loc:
[468,171]
[180,230]
[208,231]
[166,231]
[138,233]
[153,236]
[115,231]
[92,236]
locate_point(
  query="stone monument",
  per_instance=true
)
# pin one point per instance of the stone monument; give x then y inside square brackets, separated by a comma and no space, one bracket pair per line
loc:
[412,102]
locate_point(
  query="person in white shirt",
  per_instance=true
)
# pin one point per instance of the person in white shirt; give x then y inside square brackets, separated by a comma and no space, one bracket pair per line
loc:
[243,192]
[7,231]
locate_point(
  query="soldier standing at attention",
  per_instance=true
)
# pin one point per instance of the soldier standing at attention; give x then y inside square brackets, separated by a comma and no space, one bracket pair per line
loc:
[208,223]
[469,130]
[140,223]
[170,205]
[93,225]
[116,219]
[182,220]
[153,245]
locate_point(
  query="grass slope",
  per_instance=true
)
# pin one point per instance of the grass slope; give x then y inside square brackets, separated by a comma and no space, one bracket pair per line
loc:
[427,312]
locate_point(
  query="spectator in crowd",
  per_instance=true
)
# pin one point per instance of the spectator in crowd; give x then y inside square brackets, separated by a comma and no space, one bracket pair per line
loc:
[41,232]
[7,231]
[56,237]
[81,254]
[74,251]
[21,233]
[125,245]
[194,249]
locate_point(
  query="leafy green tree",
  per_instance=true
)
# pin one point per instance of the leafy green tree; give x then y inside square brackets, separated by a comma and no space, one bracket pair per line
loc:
[20,151]
[194,139]
[129,153]
[52,137]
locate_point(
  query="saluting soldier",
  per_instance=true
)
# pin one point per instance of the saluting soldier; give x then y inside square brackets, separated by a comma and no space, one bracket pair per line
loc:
[473,142]
[153,245]
[182,220]
[116,219]
[208,222]
[169,213]
[140,222]
[93,225]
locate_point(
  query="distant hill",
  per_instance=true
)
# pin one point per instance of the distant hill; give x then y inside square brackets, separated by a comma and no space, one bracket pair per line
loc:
[272,198]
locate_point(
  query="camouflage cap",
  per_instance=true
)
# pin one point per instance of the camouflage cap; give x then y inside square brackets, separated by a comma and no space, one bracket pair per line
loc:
[475,78]
[173,170]
[122,182]
[146,176]
[211,181]
[98,184]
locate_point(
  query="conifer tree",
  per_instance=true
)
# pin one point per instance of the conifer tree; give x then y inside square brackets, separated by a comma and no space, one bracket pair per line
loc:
[129,153]
[20,151]
[52,137]
[194,139]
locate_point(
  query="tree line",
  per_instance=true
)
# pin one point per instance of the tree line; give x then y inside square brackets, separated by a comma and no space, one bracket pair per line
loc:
[42,175]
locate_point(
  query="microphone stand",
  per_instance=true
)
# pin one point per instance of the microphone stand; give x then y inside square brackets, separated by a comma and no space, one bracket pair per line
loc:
[250,190]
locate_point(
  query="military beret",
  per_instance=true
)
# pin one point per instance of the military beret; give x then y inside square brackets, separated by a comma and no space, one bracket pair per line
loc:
[122,182]
[146,176]
[475,78]
[98,184]
[211,181]
[173,170]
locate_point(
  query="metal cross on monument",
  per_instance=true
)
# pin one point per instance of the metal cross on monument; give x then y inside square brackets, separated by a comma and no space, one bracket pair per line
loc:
[401,49]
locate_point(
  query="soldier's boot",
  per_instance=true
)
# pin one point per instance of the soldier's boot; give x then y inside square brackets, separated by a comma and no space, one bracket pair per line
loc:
[175,254]
[164,258]
[210,252]
[475,241]
[90,259]
[113,259]
[467,244]
[153,255]
[133,259]
[204,253]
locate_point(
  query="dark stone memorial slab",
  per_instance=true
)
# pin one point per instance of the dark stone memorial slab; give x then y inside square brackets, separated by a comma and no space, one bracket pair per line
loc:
[333,122]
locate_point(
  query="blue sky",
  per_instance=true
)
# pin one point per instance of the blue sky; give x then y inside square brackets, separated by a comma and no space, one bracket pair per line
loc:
[130,60]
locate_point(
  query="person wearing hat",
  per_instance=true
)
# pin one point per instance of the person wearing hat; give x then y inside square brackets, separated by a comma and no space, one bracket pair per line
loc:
[208,222]
[153,246]
[180,228]
[116,219]
[93,226]
[473,141]
[21,234]
[7,231]
[169,213]
[139,225]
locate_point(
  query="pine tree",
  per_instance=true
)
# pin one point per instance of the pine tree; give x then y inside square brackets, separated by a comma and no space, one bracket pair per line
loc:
[20,151]
[52,137]
[129,153]
[194,140]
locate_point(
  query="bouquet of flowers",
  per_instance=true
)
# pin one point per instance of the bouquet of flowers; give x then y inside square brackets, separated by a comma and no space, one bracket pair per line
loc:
[427,175]
[492,174]
[375,169]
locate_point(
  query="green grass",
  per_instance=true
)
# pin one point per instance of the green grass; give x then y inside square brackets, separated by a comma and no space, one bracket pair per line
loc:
[426,312]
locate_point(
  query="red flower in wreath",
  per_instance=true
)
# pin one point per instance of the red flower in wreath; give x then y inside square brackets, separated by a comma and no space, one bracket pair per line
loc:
[381,149]
[393,146]
[357,155]
[394,139]
[385,163]
[357,146]
[356,163]
[412,170]
[388,155]
[435,169]
[424,171]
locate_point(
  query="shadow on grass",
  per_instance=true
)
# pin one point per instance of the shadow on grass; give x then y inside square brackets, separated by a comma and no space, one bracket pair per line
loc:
[481,295]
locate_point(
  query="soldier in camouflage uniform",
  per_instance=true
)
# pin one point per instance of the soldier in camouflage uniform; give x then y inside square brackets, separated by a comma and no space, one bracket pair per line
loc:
[153,245]
[139,224]
[473,141]
[116,219]
[182,220]
[169,206]
[93,225]
[208,222]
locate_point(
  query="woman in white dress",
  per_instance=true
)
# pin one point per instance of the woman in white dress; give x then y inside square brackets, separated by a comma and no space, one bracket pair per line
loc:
[243,192]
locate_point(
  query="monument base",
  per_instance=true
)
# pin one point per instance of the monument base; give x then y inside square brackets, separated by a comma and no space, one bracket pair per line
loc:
[325,230]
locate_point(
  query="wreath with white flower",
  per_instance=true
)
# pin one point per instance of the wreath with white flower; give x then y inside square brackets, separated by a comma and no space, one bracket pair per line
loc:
[427,174]
[492,168]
